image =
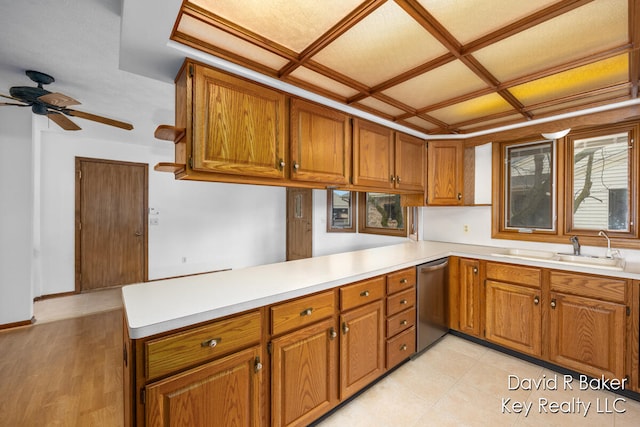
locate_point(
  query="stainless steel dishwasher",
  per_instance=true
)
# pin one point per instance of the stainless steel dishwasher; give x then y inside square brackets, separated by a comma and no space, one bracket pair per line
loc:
[433,319]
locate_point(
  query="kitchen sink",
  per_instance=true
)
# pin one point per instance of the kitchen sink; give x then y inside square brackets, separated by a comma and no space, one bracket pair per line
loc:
[564,258]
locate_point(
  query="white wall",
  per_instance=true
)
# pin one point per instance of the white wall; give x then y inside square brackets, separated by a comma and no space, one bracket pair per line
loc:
[16,214]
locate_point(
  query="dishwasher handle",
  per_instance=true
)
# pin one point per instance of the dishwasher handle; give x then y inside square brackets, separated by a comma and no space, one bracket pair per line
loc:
[426,268]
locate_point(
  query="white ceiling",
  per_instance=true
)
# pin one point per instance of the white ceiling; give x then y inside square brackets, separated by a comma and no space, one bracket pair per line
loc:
[111,55]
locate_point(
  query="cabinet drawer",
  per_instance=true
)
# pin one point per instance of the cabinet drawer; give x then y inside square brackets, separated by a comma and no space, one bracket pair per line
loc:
[361,293]
[301,312]
[189,348]
[607,288]
[401,280]
[528,276]
[401,301]
[401,321]
[400,347]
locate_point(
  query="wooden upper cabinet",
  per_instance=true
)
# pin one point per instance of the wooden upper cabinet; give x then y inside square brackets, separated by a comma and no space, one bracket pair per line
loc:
[444,173]
[238,126]
[409,162]
[320,144]
[373,152]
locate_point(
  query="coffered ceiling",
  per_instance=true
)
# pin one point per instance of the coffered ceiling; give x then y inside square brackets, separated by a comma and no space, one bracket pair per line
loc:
[436,66]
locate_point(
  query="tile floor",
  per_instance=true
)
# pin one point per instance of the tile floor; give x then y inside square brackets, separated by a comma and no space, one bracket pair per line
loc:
[460,383]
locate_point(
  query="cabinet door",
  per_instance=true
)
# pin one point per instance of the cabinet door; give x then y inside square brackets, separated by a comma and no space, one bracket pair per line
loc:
[320,144]
[513,317]
[362,346]
[469,297]
[220,393]
[304,374]
[444,172]
[588,335]
[409,162]
[238,126]
[373,164]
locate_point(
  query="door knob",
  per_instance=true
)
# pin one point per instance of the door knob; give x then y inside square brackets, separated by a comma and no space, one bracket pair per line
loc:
[138,233]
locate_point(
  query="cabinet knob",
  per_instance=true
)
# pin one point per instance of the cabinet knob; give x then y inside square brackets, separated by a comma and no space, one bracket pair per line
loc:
[403,281]
[345,328]
[398,179]
[257,365]
[332,333]
[281,164]
[211,343]
[393,178]
[296,166]
[403,322]
[403,347]
[459,196]
[536,300]
[403,301]
[306,311]
[475,270]
[553,303]
[364,293]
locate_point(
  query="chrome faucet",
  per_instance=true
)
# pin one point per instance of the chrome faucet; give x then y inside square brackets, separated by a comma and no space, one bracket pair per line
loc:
[610,253]
[576,245]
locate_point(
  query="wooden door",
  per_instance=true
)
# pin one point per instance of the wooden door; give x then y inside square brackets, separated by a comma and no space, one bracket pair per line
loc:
[444,172]
[299,223]
[224,392]
[362,345]
[514,317]
[409,162]
[320,144]
[239,126]
[588,335]
[304,374]
[469,296]
[111,226]
[373,163]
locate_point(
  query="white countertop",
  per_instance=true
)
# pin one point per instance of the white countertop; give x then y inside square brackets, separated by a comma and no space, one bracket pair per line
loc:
[164,305]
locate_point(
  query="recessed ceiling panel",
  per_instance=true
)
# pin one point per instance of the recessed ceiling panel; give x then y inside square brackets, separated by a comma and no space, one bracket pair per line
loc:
[582,32]
[293,24]
[420,123]
[478,107]
[381,106]
[316,79]
[470,20]
[226,42]
[583,103]
[582,79]
[383,45]
[448,81]
[502,121]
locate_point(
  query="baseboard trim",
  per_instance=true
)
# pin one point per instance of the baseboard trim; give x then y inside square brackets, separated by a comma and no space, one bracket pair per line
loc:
[18,324]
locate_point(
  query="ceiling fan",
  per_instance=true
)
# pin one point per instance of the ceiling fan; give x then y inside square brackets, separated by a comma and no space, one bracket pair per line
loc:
[52,104]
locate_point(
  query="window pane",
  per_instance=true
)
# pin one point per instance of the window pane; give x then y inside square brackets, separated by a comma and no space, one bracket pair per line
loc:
[384,211]
[529,186]
[601,183]
[341,211]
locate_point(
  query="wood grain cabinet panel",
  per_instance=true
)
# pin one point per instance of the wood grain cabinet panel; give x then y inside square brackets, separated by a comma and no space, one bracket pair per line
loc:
[320,144]
[225,392]
[361,347]
[361,293]
[373,151]
[409,162]
[444,173]
[513,317]
[301,312]
[304,374]
[238,126]
[469,299]
[401,280]
[400,347]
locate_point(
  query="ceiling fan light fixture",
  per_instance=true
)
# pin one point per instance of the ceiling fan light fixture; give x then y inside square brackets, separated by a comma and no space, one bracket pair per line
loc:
[556,135]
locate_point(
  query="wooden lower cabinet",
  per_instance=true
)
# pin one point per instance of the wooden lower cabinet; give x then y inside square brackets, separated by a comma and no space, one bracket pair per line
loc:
[513,317]
[588,335]
[304,371]
[361,347]
[469,294]
[225,392]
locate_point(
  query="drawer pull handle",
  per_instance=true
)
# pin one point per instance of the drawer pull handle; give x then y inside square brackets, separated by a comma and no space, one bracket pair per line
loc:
[403,301]
[211,343]
[306,311]
[403,281]
[364,293]
[403,322]
[403,347]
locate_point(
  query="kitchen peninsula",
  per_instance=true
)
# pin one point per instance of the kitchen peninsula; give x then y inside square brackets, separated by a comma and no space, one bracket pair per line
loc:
[244,326]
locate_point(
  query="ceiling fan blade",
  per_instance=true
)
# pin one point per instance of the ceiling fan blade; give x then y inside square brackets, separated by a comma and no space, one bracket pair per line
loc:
[99,119]
[10,97]
[62,121]
[14,104]
[58,99]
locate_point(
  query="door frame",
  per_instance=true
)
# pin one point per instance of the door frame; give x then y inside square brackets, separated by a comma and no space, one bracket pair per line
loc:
[78,211]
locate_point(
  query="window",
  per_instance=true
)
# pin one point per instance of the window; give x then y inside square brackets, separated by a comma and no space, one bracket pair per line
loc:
[381,213]
[577,185]
[340,206]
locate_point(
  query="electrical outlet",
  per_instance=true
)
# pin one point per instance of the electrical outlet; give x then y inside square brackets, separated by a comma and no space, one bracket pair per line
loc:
[465,228]
[184,259]
[154,221]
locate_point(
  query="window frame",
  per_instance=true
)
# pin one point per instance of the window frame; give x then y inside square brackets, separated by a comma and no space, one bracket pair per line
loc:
[362,222]
[352,212]
[563,192]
